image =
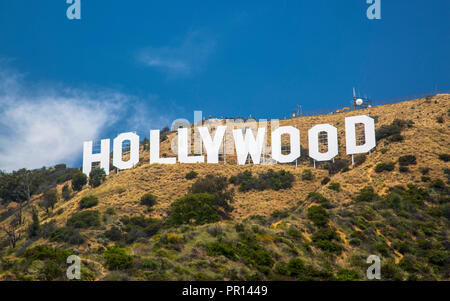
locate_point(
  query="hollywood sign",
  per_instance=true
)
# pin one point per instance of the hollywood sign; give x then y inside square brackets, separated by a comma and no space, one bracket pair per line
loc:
[244,145]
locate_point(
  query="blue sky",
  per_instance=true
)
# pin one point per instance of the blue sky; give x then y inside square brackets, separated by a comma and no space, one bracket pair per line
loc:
[136,65]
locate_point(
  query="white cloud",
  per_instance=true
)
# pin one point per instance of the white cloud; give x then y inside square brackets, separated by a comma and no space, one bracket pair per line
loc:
[184,59]
[43,127]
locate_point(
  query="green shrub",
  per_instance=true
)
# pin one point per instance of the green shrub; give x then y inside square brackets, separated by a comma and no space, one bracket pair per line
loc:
[114,234]
[293,232]
[220,248]
[148,264]
[318,198]
[390,271]
[407,160]
[96,177]
[149,226]
[298,269]
[325,234]
[403,169]
[35,227]
[148,200]
[318,215]
[88,202]
[270,180]
[409,264]
[66,193]
[366,194]
[393,130]
[117,259]
[438,257]
[347,275]
[337,166]
[360,159]
[396,138]
[307,175]
[85,219]
[444,157]
[295,267]
[447,174]
[424,170]
[325,181]
[246,250]
[446,211]
[78,181]
[68,235]
[437,184]
[43,252]
[335,186]
[197,209]
[191,175]
[50,271]
[425,179]
[329,246]
[385,166]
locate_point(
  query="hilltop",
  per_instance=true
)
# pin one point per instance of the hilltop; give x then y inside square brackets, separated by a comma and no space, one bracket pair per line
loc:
[392,203]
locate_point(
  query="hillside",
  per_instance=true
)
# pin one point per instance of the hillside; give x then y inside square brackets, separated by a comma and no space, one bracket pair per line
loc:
[271,234]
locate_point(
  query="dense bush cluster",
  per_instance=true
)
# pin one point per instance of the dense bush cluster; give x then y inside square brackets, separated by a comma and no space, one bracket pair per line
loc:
[407,160]
[69,235]
[216,186]
[307,175]
[385,166]
[191,175]
[197,209]
[84,219]
[367,194]
[444,157]
[337,166]
[393,131]
[148,200]
[275,180]
[335,186]
[245,249]
[360,159]
[88,202]
[117,259]
[135,227]
[318,215]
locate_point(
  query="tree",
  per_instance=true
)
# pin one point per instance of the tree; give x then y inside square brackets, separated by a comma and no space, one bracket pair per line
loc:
[49,199]
[197,209]
[216,186]
[34,228]
[66,193]
[17,187]
[96,177]
[78,181]
[12,232]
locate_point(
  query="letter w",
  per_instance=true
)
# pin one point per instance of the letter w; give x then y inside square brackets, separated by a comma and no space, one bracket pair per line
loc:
[249,145]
